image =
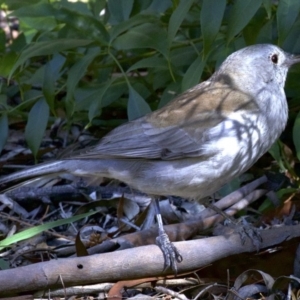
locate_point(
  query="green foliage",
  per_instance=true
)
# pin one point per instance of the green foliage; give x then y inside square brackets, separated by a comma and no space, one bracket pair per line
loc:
[240,14]
[29,233]
[37,123]
[73,59]
[287,13]
[211,17]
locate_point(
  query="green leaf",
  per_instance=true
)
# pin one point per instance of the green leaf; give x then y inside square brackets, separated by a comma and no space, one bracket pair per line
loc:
[115,91]
[85,97]
[291,42]
[132,22]
[183,56]
[35,10]
[251,31]
[159,6]
[296,135]
[161,77]
[3,130]
[36,17]
[150,62]
[77,71]
[47,48]
[193,74]
[265,33]
[211,16]
[143,36]
[287,13]
[97,105]
[7,62]
[268,7]
[15,4]
[49,85]
[79,7]
[85,26]
[39,23]
[137,106]
[119,10]
[36,125]
[97,7]
[241,13]
[275,151]
[28,233]
[30,98]
[177,18]
[19,44]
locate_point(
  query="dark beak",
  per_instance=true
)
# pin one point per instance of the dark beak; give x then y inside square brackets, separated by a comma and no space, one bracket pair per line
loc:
[292,59]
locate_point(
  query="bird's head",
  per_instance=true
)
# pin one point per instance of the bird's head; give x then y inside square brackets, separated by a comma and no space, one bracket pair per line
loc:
[253,67]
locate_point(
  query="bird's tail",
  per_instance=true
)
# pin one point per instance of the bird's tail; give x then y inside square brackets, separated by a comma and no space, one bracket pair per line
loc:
[56,167]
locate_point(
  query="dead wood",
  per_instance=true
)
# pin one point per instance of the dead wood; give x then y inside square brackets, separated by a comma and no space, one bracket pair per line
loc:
[133,263]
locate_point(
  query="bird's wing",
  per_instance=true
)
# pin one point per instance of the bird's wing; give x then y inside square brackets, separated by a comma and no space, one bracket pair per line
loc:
[178,130]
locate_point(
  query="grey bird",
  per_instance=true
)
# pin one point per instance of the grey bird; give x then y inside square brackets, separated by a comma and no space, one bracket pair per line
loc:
[199,141]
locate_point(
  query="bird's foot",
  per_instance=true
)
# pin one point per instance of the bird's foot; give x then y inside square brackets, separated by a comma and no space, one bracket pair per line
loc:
[246,229]
[170,252]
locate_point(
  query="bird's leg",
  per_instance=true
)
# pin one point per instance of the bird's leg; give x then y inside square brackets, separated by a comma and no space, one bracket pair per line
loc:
[170,252]
[216,209]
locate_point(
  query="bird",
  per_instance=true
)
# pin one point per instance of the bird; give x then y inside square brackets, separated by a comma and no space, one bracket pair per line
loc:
[199,141]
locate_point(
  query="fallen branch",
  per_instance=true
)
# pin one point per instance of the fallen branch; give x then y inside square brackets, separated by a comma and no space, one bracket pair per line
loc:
[132,263]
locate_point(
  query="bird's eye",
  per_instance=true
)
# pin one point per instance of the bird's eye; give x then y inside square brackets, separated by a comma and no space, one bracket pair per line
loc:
[274,58]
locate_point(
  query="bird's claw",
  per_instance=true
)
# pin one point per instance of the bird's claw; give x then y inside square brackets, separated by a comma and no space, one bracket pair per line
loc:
[170,252]
[252,233]
[245,229]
